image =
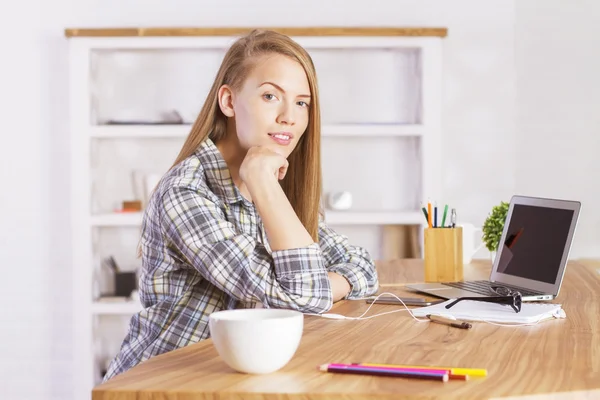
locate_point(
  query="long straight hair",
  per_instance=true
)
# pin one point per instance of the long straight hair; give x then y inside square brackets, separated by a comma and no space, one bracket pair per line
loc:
[302,183]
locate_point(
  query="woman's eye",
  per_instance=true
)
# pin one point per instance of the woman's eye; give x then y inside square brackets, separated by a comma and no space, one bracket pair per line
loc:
[269,96]
[303,104]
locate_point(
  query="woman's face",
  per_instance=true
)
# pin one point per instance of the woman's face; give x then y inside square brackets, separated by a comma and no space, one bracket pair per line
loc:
[271,108]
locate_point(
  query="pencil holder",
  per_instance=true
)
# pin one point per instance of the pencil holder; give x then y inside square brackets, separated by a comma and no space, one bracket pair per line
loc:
[443,254]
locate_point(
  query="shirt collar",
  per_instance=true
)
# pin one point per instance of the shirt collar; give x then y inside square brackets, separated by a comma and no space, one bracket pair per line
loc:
[217,173]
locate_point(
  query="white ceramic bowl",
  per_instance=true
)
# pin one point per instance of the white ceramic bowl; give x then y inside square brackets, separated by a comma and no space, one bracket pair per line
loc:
[256,340]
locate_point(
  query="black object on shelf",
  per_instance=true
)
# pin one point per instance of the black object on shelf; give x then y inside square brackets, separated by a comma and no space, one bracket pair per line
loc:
[125,283]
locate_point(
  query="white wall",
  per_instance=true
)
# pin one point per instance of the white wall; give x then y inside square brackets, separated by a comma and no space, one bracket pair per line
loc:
[480,132]
[34,284]
[558,123]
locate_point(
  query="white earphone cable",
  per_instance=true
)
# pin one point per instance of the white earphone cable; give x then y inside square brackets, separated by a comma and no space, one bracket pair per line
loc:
[362,316]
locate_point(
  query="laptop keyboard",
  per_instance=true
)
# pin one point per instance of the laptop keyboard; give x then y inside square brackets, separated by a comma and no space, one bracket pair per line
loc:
[485,288]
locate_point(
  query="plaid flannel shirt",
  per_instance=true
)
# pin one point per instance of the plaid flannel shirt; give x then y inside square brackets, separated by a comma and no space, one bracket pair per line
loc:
[204,249]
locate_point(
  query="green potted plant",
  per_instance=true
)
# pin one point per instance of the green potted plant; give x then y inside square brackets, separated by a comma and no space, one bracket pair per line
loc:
[493,227]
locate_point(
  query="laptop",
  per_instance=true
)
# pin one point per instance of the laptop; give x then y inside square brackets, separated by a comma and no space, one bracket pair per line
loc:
[532,257]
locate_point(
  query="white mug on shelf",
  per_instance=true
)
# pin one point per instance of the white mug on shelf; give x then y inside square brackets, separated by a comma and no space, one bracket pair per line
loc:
[470,236]
[340,200]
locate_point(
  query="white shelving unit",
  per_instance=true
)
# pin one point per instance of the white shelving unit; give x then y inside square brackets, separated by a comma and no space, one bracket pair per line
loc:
[182,130]
[125,308]
[133,219]
[381,137]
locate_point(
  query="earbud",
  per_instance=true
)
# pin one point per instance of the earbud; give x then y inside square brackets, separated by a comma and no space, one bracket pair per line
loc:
[560,314]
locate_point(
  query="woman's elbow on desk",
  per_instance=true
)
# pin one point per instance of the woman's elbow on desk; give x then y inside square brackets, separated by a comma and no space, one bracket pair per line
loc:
[307,293]
[313,304]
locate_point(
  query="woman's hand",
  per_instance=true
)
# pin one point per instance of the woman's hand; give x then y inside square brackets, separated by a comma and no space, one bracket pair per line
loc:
[261,171]
[262,162]
[339,286]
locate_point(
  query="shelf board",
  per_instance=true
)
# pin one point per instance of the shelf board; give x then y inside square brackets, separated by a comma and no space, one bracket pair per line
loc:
[425,31]
[374,218]
[181,131]
[332,217]
[387,130]
[140,131]
[115,308]
[117,219]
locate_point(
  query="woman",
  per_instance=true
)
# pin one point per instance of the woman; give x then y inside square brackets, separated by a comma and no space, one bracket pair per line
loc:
[235,222]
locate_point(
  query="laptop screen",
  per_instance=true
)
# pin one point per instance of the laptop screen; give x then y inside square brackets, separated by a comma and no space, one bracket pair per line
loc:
[535,242]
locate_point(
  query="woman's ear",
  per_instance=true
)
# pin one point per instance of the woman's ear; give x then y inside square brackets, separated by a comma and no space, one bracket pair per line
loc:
[226,100]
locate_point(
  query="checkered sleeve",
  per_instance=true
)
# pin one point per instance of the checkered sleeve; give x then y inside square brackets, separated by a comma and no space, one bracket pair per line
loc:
[352,262]
[237,263]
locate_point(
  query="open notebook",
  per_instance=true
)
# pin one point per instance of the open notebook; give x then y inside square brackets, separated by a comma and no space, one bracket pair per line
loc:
[468,310]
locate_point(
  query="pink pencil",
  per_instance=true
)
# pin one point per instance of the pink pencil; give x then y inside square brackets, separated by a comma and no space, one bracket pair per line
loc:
[436,371]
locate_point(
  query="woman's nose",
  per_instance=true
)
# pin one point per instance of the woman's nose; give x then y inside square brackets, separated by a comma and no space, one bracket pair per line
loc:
[286,115]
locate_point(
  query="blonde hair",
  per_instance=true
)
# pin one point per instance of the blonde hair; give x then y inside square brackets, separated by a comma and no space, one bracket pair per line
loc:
[302,184]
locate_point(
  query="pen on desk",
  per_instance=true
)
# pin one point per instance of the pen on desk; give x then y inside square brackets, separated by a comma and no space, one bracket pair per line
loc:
[363,370]
[444,216]
[435,225]
[453,218]
[429,214]
[450,322]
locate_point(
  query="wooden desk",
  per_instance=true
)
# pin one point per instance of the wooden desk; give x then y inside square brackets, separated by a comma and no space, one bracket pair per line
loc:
[557,359]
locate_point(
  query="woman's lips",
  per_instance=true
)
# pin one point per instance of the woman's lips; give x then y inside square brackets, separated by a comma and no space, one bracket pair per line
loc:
[282,138]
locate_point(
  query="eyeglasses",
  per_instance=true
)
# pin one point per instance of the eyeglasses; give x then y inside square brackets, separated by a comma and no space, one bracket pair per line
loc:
[501,290]
[514,299]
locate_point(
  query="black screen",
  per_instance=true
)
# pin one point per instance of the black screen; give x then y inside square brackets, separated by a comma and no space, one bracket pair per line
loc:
[535,242]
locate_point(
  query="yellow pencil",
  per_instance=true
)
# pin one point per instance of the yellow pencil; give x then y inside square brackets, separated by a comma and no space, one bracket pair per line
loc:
[454,371]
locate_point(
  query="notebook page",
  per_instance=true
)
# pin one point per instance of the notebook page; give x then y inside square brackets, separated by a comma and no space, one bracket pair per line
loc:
[469,310]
